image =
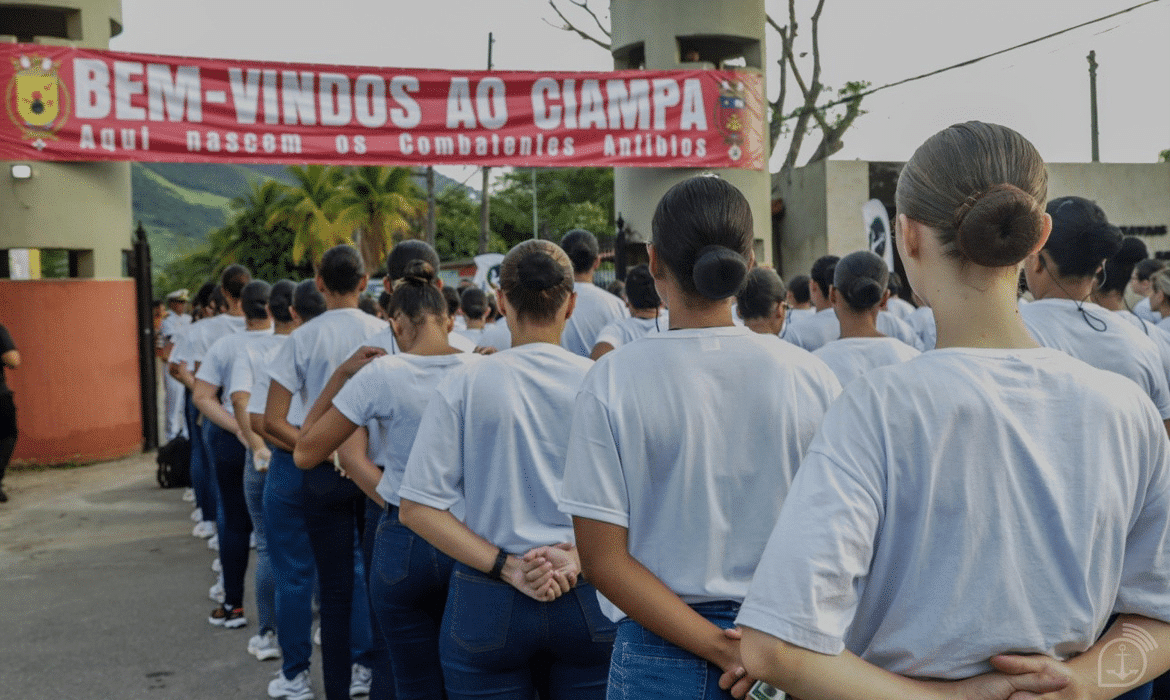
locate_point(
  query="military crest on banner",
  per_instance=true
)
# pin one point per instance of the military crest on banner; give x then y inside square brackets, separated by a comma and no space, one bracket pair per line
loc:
[729,118]
[36,98]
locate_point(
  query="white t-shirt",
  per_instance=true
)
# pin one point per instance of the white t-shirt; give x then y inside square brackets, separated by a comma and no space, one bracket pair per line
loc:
[250,373]
[471,334]
[793,317]
[497,335]
[627,330]
[1160,337]
[849,358]
[899,308]
[595,309]
[204,334]
[1145,313]
[823,327]
[494,436]
[219,359]
[922,321]
[170,325]
[388,396]
[689,439]
[315,349]
[967,503]
[182,349]
[1117,346]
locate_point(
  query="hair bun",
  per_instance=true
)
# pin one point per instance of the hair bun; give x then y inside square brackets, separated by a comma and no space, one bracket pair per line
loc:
[418,273]
[999,226]
[719,272]
[539,271]
[863,293]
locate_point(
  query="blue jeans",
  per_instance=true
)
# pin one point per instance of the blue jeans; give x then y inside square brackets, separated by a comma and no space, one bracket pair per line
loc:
[495,640]
[265,581]
[236,527]
[645,665]
[292,561]
[209,466]
[382,687]
[333,506]
[408,591]
[201,481]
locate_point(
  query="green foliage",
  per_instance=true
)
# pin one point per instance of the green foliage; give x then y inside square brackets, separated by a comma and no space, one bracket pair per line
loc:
[304,210]
[1164,156]
[566,198]
[381,206]
[457,226]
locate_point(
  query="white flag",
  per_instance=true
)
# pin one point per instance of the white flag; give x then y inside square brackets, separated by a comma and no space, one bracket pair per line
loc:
[487,271]
[877,230]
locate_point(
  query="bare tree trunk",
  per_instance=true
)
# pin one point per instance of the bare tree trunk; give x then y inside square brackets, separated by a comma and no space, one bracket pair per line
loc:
[484,207]
[431,205]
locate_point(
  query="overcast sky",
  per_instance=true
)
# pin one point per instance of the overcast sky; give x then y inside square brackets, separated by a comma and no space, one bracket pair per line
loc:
[1041,91]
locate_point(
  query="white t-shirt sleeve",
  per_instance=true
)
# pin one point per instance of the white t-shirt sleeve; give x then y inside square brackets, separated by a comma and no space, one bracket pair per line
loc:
[806,588]
[611,334]
[356,399]
[213,367]
[434,471]
[284,369]
[594,486]
[241,378]
[1145,577]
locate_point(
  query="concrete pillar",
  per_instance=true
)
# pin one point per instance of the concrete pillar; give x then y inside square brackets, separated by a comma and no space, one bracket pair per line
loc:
[77,388]
[658,35]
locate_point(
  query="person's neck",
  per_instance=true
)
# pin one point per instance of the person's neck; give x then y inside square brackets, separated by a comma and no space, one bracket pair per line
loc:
[979,314]
[858,325]
[645,313]
[584,277]
[429,339]
[526,332]
[763,326]
[1076,289]
[1112,301]
[820,304]
[800,307]
[284,327]
[334,301]
[476,324]
[258,324]
[688,312]
[235,308]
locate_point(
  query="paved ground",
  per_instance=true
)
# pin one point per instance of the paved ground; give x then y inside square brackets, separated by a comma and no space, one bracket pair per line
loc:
[104,593]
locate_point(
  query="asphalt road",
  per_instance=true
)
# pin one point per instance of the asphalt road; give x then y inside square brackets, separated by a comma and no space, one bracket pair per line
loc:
[103,593]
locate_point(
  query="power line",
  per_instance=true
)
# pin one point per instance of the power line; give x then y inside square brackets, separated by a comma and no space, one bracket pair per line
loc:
[865,93]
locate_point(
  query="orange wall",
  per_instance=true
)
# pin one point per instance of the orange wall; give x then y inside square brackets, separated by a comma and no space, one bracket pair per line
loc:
[77,388]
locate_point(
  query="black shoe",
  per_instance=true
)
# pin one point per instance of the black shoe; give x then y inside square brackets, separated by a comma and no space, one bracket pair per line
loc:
[3,496]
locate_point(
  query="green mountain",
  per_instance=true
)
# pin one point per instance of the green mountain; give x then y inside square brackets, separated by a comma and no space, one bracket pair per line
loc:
[179,204]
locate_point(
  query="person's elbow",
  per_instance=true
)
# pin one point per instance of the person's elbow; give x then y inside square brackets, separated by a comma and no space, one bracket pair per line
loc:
[768,658]
[408,513]
[302,455]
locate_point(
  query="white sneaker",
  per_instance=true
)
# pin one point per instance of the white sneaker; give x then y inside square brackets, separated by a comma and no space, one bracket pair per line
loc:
[216,592]
[204,529]
[296,689]
[197,515]
[252,541]
[188,495]
[264,646]
[213,543]
[317,636]
[360,679]
[217,565]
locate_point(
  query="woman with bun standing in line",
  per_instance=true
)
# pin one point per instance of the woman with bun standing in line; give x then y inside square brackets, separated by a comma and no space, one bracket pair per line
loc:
[1109,293]
[492,442]
[672,483]
[984,501]
[760,302]
[859,289]
[1061,278]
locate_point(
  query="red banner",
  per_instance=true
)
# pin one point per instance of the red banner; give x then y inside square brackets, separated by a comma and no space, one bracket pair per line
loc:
[82,105]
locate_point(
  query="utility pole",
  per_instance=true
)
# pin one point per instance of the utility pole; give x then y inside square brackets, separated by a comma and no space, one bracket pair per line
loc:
[431,205]
[484,203]
[1093,103]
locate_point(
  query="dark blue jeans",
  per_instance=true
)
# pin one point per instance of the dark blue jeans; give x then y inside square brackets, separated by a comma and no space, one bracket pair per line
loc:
[645,665]
[333,507]
[495,640]
[236,527]
[408,591]
[382,687]
[201,481]
[292,561]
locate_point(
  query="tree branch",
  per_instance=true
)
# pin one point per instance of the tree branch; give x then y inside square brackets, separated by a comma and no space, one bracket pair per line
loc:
[568,26]
[584,5]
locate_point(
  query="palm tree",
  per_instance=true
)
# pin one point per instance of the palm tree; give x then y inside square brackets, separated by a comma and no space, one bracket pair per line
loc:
[306,211]
[381,206]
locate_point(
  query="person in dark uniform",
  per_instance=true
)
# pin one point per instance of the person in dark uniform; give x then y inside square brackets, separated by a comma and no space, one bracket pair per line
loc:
[10,358]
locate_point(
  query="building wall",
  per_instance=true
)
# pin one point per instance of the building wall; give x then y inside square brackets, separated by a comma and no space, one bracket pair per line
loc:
[648,34]
[77,388]
[823,203]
